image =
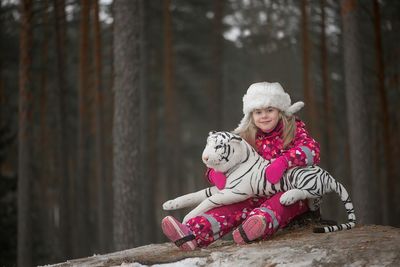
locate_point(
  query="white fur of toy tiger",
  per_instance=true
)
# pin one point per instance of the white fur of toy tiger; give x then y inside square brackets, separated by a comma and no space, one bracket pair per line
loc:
[245,168]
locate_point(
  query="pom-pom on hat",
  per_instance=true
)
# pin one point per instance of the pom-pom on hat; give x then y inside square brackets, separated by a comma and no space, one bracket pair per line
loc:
[263,95]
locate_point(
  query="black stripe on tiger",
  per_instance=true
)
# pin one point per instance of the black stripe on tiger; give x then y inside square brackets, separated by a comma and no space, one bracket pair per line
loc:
[314,181]
[233,186]
[208,192]
[240,177]
[238,193]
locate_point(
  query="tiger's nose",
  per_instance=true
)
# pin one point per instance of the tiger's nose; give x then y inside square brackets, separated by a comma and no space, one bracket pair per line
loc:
[205,158]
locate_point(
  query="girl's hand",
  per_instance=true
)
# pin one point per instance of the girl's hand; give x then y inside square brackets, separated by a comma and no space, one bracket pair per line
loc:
[275,170]
[216,178]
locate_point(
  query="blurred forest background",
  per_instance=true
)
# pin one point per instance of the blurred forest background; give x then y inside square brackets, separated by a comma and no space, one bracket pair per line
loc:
[158,76]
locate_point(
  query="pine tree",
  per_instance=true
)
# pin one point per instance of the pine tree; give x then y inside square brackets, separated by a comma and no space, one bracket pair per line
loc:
[363,184]
[25,137]
[126,131]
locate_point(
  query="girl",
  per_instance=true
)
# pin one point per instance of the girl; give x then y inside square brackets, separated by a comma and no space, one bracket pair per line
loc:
[270,127]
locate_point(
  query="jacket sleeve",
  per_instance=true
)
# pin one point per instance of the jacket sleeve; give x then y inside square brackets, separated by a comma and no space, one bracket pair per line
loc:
[304,150]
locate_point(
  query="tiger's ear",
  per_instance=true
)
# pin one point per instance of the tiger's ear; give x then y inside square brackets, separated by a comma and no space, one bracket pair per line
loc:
[211,133]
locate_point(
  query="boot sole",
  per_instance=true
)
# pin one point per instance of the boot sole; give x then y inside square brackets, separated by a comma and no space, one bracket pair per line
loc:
[253,228]
[174,232]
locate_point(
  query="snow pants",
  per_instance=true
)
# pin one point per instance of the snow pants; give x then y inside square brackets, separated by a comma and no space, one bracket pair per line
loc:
[218,222]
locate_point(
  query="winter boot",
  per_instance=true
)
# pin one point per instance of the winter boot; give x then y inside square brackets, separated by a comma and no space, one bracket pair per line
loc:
[252,229]
[178,233]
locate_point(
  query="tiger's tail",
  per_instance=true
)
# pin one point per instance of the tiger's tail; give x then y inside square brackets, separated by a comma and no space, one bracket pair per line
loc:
[344,196]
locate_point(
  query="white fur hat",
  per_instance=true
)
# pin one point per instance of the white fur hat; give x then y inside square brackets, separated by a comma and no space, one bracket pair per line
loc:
[265,94]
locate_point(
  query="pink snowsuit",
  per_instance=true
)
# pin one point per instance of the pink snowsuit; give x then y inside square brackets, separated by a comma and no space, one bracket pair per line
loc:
[217,222]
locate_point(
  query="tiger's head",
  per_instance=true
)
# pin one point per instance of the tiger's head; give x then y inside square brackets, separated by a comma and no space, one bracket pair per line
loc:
[223,151]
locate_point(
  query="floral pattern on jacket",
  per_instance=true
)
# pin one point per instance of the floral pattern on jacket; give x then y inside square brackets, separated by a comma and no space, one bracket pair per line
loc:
[302,151]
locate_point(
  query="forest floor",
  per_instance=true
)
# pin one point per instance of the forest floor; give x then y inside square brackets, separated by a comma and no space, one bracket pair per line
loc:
[368,245]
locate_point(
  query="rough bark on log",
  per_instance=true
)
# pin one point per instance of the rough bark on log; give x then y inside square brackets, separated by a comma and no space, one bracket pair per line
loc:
[361,246]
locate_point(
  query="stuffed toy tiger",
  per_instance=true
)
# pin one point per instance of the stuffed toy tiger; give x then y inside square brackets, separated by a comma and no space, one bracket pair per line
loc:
[245,168]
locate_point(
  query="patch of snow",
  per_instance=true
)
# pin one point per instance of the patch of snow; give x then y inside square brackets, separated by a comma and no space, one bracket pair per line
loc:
[282,256]
[189,262]
[232,34]
[250,256]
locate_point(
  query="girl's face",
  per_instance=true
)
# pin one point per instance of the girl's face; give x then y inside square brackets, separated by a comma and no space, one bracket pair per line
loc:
[266,119]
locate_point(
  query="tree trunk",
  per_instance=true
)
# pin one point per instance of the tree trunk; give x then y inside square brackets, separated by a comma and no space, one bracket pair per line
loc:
[61,148]
[172,132]
[99,122]
[25,137]
[108,114]
[216,90]
[44,224]
[67,196]
[329,136]
[307,86]
[388,188]
[126,133]
[363,184]
[81,242]
[48,199]
[2,91]
[153,98]
[147,138]
[329,131]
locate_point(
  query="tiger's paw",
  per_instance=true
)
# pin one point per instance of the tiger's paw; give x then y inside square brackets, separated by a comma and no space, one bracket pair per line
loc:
[291,196]
[170,205]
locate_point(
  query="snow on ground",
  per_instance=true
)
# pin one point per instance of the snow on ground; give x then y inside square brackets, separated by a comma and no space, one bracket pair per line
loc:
[189,262]
[365,245]
[249,257]
[258,257]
